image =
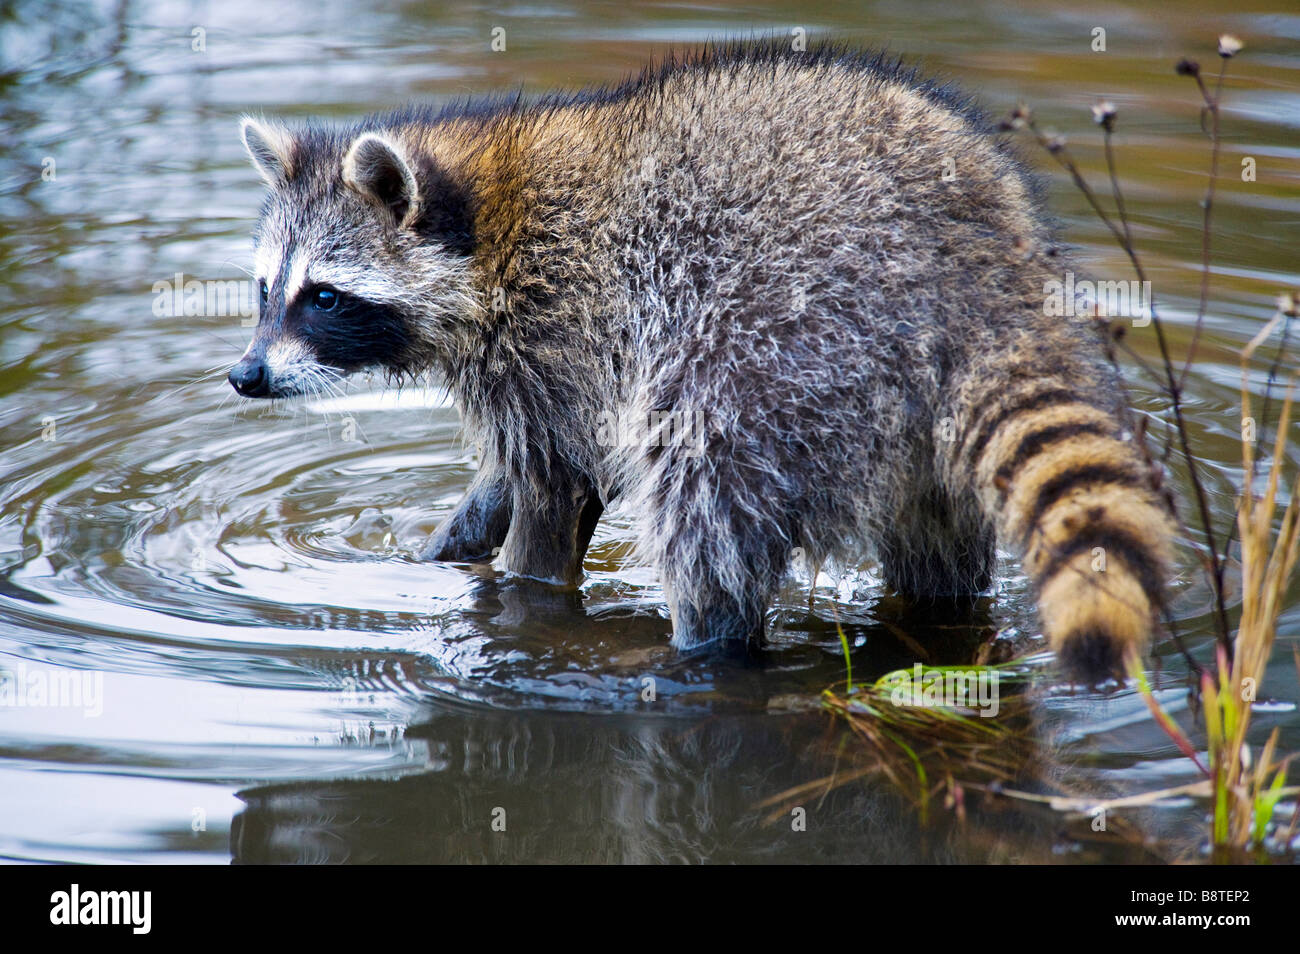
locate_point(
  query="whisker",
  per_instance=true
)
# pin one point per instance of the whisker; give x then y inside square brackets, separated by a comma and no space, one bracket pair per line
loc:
[234,346]
[243,268]
[187,382]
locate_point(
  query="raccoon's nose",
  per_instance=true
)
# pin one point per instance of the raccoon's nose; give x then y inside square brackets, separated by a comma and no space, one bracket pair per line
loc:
[250,378]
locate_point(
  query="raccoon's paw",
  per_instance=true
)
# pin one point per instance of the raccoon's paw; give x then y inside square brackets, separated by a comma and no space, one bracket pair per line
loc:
[721,629]
[449,545]
[474,531]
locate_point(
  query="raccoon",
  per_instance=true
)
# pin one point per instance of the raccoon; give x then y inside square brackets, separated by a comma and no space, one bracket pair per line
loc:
[834,264]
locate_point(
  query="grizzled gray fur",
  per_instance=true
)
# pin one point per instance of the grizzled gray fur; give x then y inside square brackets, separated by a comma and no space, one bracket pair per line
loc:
[831,264]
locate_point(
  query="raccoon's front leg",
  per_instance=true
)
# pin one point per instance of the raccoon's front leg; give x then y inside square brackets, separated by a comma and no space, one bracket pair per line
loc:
[549,533]
[478,525]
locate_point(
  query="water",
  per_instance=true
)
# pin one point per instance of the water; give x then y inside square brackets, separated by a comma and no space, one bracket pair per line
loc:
[268,673]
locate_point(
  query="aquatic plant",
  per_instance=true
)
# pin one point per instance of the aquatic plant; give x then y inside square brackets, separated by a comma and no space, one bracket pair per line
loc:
[925,747]
[1246,788]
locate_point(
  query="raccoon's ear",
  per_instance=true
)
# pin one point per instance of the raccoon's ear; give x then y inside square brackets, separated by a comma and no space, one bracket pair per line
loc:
[270,146]
[376,167]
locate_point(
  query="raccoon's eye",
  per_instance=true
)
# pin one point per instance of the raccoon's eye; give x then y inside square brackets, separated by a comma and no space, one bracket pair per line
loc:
[264,291]
[325,299]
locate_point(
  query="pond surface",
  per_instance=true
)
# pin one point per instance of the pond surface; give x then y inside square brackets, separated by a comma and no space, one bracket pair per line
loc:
[269,674]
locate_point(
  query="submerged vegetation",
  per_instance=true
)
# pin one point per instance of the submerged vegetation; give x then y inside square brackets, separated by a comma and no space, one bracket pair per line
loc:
[925,747]
[941,750]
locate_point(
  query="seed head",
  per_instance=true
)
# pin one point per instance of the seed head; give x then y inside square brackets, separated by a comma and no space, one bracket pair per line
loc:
[1289,303]
[1018,118]
[1229,46]
[1103,114]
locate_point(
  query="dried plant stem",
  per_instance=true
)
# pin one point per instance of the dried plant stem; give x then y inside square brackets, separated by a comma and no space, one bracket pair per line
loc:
[1170,381]
[1273,370]
[1211,109]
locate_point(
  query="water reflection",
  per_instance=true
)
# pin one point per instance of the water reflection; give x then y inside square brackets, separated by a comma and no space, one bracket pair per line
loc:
[612,789]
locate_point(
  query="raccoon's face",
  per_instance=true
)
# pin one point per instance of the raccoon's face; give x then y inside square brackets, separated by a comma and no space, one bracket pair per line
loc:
[352,271]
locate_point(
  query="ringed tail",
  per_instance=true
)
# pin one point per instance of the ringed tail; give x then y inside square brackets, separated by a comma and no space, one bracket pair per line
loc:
[1069,491]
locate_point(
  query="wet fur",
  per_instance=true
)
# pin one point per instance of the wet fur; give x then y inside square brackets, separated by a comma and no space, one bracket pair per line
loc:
[766,237]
